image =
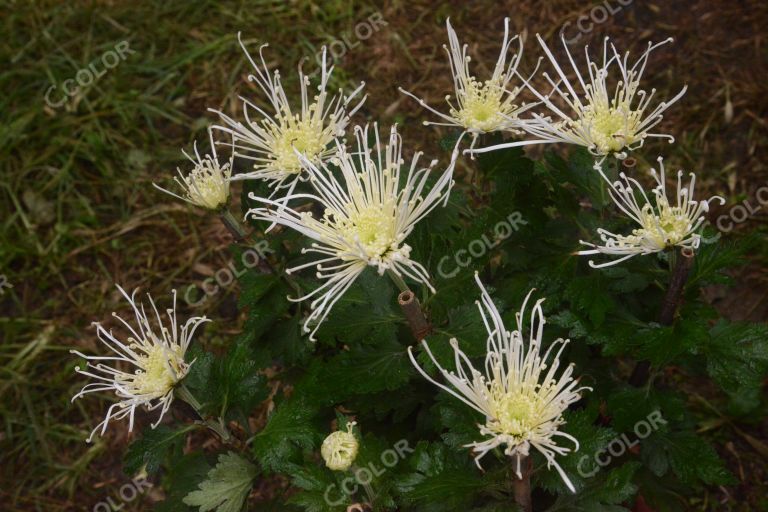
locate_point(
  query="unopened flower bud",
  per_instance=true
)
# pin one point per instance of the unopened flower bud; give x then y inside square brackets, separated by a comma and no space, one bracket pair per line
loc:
[339,449]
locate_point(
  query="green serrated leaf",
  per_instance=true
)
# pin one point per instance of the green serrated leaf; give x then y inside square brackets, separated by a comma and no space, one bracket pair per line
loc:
[584,293]
[183,477]
[579,466]
[149,451]
[226,486]
[364,369]
[461,422]
[690,458]
[199,374]
[569,320]
[604,493]
[286,341]
[270,309]
[365,313]
[254,286]
[737,355]
[231,384]
[442,480]
[289,428]
[627,407]
[660,344]
[712,259]
[623,280]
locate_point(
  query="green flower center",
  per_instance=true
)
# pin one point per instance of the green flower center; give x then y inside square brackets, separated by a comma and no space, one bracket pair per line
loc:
[372,228]
[156,377]
[303,135]
[668,228]
[611,128]
[514,413]
[482,106]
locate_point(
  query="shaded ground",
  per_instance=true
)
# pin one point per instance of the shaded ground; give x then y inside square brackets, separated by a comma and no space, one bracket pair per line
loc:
[79,213]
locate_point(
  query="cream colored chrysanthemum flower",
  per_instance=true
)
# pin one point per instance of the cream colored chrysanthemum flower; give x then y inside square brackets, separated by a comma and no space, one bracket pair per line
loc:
[481,106]
[273,140]
[661,225]
[367,216]
[207,184]
[606,119]
[339,449]
[143,371]
[520,394]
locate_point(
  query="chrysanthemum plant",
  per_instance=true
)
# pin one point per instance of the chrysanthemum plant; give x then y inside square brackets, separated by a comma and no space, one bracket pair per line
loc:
[558,359]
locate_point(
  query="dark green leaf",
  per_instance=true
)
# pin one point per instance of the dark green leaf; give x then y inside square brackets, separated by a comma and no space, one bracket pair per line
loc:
[184,475]
[289,429]
[152,447]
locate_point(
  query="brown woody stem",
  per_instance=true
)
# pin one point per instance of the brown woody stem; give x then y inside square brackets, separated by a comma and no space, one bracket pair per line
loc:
[669,308]
[628,164]
[521,487]
[415,316]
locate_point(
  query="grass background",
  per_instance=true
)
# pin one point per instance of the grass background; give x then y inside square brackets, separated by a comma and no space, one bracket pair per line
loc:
[78,212]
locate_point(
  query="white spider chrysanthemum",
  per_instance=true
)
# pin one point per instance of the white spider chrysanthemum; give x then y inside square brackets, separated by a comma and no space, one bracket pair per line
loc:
[207,184]
[603,123]
[662,225]
[520,396]
[481,107]
[145,369]
[367,216]
[272,140]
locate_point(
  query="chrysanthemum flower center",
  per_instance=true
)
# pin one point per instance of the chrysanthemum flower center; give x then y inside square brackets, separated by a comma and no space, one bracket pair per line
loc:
[305,135]
[161,368]
[669,227]
[207,186]
[481,106]
[611,128]
[514,412]
[372,228]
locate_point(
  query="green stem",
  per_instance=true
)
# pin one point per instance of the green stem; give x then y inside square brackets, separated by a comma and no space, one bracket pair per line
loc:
[186,395]
[216,425]
[236,228]
[398,281]
[232,224]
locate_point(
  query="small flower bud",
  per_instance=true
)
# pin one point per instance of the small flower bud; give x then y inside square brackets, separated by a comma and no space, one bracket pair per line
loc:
[339,449]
